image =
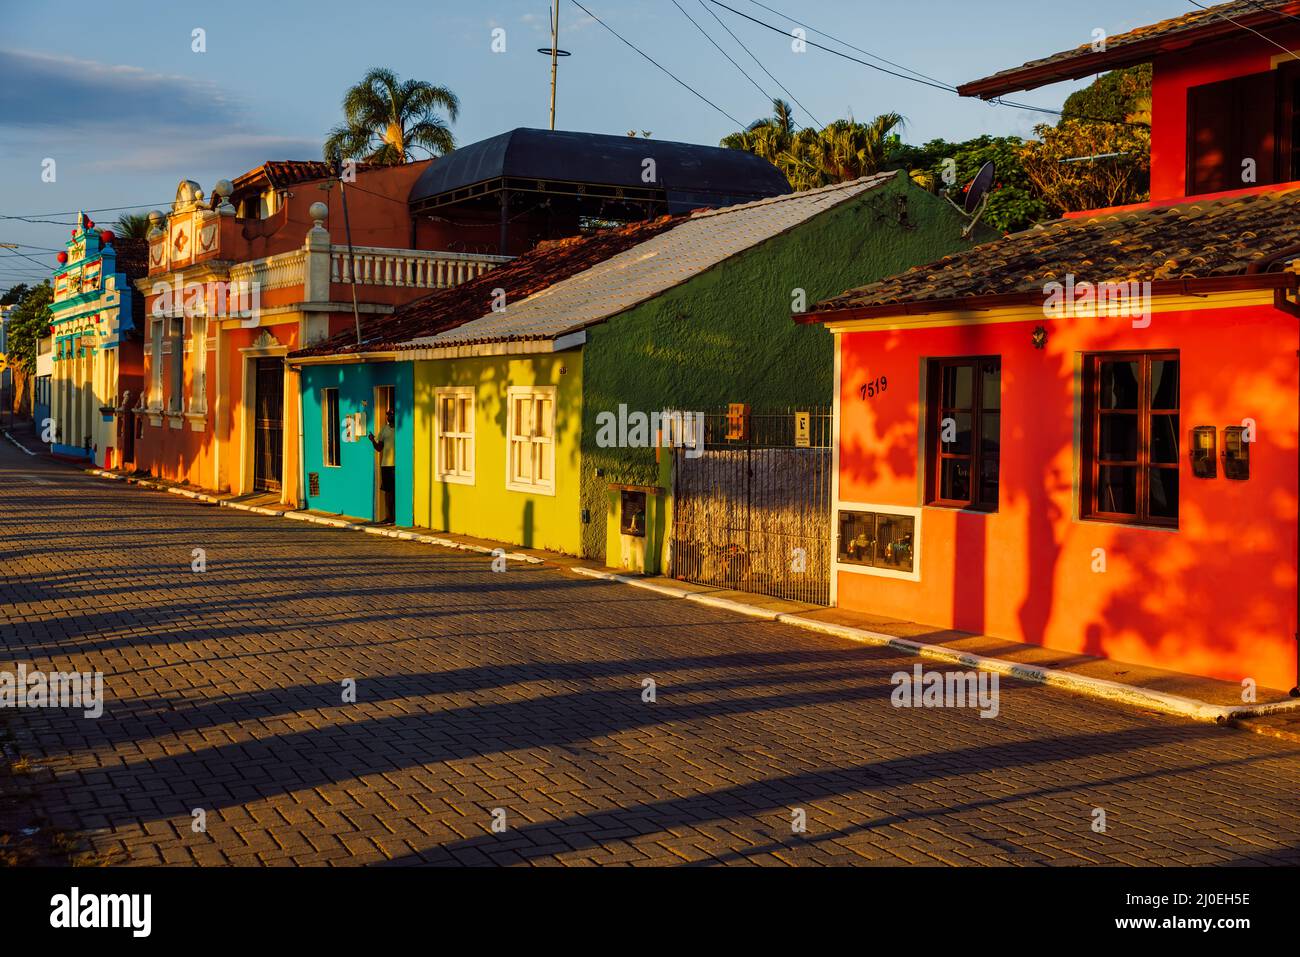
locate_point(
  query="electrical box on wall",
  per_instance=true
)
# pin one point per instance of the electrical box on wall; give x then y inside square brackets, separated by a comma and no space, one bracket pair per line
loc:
[1205,459]
[1236,453]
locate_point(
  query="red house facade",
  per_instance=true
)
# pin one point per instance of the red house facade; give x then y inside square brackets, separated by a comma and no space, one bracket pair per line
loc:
[1085,435]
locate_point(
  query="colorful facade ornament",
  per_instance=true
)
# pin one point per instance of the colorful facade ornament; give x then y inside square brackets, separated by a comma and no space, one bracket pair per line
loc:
[94,329]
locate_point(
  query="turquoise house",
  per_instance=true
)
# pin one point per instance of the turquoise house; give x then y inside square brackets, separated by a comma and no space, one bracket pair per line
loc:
[341,404]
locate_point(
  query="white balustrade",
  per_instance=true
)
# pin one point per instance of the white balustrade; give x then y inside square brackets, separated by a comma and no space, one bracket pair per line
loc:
[272,272]
[418,268]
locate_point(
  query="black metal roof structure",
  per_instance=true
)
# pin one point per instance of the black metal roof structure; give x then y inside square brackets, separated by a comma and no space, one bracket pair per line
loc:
[592,174]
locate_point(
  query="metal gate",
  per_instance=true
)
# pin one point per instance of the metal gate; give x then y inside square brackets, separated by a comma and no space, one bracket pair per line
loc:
[268,425]
[751,511]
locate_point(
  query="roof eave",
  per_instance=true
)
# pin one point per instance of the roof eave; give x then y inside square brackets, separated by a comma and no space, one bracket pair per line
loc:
[1031,77]
[329,358]
[1161,287]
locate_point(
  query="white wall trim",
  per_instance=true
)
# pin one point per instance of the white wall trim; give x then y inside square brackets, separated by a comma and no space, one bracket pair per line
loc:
[914,511]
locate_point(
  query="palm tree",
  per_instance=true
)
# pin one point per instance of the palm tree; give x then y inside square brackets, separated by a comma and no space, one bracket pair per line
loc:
[385,118]
[132,226]
[810,158]
[846,150]
[768,137]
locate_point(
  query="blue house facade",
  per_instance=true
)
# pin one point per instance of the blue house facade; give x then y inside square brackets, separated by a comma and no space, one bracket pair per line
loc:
[342,405]
[96,350]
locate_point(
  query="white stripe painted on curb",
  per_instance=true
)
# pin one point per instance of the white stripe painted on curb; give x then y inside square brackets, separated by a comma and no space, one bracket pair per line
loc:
[294,515]
[19,444]
[1080,684]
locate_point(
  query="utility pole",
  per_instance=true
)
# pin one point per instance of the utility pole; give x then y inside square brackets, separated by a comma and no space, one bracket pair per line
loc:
[352,259]
[555,55]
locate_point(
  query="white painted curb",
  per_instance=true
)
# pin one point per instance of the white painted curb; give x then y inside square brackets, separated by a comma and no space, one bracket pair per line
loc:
[298,516]
[1080,684]
[19,444]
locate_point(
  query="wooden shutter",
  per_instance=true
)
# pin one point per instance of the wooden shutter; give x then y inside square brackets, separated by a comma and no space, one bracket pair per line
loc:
[1227,123]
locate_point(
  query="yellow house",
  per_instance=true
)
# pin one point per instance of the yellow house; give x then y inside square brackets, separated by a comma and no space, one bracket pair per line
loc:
[513,475]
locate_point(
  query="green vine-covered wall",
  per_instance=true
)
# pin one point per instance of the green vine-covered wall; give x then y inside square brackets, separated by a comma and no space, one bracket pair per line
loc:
[726,335]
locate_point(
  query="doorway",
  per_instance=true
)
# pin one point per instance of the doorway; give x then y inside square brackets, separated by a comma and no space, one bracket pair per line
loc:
[385,499]
[268,425]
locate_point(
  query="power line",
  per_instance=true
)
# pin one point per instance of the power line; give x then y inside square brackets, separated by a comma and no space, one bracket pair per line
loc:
[37,217]
[646,56]
[31,259]
[1273,10]
[1291,53]
[936,84]
[767,96]
[713,13]
[828,36]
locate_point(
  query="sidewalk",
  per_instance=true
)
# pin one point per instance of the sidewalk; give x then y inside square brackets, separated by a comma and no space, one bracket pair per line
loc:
[1274,712]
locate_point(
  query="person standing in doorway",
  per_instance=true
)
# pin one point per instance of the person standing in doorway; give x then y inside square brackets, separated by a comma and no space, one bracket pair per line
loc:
[383,444]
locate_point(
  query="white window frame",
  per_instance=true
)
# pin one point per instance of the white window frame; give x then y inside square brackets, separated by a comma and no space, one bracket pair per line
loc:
[176,371]
[198,398]
[156,337]
[536,444]
[913,512]
[442,471]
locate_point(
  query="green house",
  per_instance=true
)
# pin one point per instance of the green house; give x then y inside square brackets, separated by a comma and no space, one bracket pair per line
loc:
[536,422]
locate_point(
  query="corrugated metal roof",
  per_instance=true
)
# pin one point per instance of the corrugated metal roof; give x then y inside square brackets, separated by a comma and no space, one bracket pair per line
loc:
[650,268]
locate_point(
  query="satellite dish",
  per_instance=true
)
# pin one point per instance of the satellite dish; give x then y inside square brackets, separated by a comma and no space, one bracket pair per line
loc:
[979,187]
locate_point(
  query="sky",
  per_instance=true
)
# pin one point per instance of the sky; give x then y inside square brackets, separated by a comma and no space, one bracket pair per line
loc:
[116,95]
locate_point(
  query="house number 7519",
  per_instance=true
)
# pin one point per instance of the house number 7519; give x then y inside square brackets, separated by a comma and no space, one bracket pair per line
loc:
[870,390]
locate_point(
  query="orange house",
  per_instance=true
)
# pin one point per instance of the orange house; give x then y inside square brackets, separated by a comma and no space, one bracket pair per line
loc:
[239,280]
[1086,435]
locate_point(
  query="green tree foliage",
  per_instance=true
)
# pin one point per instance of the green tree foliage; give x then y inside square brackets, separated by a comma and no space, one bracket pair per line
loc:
[386,118]
[1099,154]
[29,321]
[1081,164]
[1119,95]
[948,168]
[1032,184]
[132,226]
[809,158]
[13,294]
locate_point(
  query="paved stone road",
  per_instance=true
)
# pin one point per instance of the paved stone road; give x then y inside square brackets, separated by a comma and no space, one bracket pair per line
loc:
[523,691]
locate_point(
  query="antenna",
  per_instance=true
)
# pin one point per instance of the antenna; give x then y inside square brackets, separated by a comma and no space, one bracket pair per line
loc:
[977,198]
[554,52]
[979,188]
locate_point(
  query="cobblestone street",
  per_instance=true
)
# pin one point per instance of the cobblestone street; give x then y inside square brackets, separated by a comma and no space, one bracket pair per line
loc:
[522,691]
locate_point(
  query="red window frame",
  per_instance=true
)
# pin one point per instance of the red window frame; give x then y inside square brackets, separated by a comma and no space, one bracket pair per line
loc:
[1092,461]
[937,411]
